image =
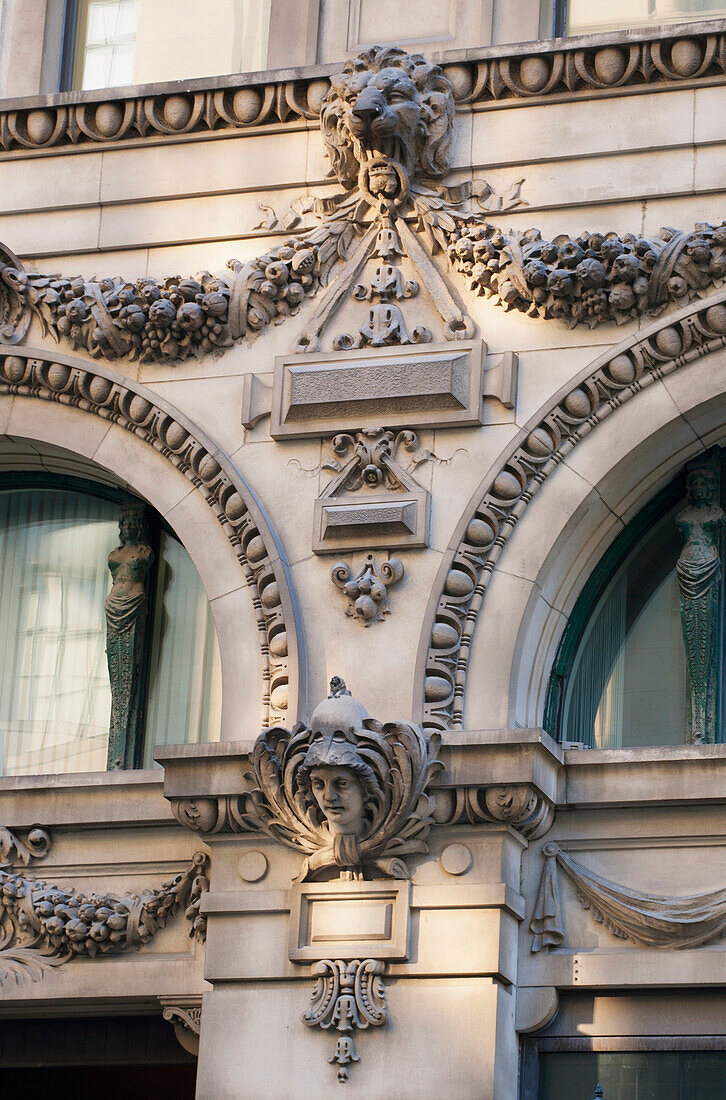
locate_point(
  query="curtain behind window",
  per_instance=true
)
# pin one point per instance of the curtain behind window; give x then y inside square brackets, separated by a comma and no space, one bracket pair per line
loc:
[184,701]
[54,693]
[55,699]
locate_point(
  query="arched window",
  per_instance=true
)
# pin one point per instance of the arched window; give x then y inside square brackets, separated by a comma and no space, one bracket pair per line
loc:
[56,535]
[640,660]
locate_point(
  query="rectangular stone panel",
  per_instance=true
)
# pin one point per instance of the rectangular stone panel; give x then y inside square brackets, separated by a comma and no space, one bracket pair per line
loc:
[349,920]
[349,523]
[431,385]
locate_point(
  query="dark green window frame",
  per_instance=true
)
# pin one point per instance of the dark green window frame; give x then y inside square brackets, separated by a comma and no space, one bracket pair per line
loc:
[588,599]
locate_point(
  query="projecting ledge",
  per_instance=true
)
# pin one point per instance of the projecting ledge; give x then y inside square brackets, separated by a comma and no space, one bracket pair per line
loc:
[505,777]
[663,775]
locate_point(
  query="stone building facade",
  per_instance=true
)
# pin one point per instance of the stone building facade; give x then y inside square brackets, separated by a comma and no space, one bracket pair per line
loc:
[381,754]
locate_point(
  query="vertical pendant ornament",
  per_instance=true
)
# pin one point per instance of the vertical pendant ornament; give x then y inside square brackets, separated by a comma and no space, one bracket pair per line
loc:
[348,996]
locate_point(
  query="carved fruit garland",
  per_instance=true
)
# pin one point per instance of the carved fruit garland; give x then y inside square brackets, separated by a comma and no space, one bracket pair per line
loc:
[44,925]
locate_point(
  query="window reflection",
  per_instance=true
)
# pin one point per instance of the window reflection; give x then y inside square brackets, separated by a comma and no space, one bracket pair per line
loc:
[628,684]
[589,16]
[121,42]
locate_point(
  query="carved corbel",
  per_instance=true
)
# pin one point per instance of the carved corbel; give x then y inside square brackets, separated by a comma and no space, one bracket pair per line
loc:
[518,804]
[537,1007]
[185,1015]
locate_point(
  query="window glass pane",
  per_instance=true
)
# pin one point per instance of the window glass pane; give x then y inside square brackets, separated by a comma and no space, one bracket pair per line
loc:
[628,681]
[142,41]
[625,1075]
[586,16]
[54,693]
[184,701]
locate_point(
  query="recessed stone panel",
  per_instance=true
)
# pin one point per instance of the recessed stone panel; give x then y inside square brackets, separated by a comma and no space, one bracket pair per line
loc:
[432,385]
[349,920]
[352,522]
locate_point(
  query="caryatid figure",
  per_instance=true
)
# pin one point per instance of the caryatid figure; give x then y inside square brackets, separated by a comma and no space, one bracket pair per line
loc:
[126,613]
[699,577]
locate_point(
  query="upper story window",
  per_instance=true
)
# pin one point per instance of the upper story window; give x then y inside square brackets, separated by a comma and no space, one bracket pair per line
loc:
[107,642]
[571,17]
[641,660]
[120,42]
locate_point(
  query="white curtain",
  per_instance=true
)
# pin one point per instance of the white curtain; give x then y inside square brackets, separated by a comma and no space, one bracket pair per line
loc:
[184,701]
[54,693]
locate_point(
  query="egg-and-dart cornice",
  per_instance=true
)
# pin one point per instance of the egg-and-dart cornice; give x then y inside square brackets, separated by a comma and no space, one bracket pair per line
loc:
[690,54]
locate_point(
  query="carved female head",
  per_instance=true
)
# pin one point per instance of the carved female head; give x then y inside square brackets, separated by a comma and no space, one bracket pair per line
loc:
[132,528]
[338,786]
[701,486]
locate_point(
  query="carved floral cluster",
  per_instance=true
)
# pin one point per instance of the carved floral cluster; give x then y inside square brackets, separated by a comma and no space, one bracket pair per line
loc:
[61,922]
[175,318]
[592,279]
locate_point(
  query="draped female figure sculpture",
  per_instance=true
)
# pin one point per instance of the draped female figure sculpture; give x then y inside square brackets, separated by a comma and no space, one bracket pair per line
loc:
[699,577]
[126,611]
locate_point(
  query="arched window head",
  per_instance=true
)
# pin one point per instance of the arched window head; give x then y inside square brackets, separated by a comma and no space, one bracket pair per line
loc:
[107,640]
[640,661]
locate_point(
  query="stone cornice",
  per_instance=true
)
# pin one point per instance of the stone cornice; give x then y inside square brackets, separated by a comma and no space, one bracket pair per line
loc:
[591,65]
[516,777]
[497,777]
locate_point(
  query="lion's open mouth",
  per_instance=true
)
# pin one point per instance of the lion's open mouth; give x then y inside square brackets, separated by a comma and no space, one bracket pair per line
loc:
[379,145]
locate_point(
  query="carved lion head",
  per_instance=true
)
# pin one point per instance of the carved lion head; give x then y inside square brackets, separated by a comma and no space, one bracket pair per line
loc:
[388,111]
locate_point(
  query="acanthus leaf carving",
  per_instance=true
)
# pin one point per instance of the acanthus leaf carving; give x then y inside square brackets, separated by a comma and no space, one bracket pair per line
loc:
[13,850]
[185,1016]
[518,804]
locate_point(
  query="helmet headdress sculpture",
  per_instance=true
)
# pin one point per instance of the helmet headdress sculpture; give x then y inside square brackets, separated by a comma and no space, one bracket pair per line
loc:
[345,791]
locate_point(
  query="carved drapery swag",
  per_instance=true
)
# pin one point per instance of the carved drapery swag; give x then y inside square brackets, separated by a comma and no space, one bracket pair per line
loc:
[647,920]
[699,579]
[43,925]
[126,613]
[387,122]
[388,766]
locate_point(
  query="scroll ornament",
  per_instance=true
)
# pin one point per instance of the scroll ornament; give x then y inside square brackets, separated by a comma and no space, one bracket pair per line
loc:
[646,920]
[13,850]
[346,792]
[348,996]
[44,925]
[387,122]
